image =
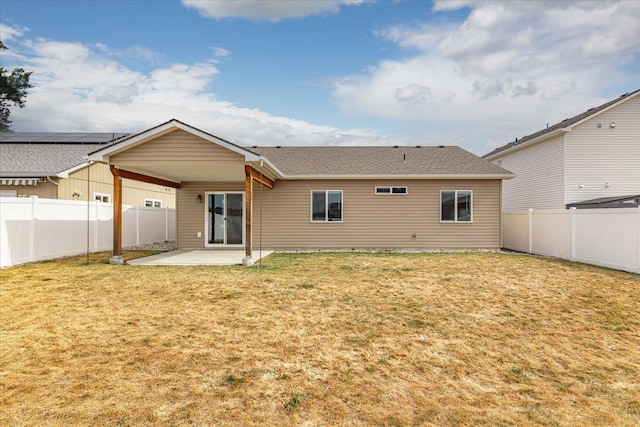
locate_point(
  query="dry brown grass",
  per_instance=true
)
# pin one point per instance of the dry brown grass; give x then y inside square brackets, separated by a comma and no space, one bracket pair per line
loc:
[323,339]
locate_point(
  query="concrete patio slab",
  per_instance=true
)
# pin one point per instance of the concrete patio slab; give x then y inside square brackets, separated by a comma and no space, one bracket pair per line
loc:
[198,257]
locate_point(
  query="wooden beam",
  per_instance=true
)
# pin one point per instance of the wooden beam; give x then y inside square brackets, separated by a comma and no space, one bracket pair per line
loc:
[258,177]
[248,193]
[117,216]
[143,178]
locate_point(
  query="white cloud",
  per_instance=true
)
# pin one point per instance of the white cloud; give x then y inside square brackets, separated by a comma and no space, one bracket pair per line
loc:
[413,94]
[508,68]
[80,87]
[265,10]
[8,33]
[220,52]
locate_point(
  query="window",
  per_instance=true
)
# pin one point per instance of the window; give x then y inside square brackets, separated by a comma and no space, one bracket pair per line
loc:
[8,193]
[152,203]
[456,206]
[326,206]
[392,190]
[102,197]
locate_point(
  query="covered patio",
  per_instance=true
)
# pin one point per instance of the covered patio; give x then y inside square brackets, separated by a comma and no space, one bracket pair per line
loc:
[214,182]
[199,257]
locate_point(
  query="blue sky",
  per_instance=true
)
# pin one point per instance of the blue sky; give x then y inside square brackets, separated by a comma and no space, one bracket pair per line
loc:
[470,73]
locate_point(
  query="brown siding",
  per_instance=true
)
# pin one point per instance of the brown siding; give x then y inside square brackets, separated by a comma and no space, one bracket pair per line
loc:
[370,221]
[101,181]
[191,215]
[375,221]
[177,147]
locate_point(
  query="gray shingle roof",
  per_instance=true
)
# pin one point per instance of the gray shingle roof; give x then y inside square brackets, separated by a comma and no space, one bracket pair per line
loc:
[60,137]
[35,154]
[377,161]
[24,154]
[563,124]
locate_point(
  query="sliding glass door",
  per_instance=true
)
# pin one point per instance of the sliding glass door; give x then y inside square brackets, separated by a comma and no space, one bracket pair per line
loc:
[225,219]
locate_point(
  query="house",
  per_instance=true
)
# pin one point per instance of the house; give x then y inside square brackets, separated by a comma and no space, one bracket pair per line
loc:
[593,155]
[54,166]
[229,196]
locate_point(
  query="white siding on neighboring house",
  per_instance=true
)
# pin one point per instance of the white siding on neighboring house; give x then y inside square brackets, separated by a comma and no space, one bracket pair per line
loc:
[539,177]
[604,161]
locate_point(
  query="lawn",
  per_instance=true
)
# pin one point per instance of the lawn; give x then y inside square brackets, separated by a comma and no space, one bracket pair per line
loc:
[321,339]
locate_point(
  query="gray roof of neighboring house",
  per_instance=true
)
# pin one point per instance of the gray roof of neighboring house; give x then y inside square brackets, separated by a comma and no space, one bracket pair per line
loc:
[563,124]
[376,161]
[31,154]
[632,201]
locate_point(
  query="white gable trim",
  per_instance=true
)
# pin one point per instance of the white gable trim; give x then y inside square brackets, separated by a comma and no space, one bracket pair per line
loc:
[559,131]
[104,154]
[596,114]
[65,173]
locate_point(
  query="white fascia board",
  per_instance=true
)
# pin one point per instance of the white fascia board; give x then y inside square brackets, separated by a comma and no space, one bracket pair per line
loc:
[271,167]
[65,173]
[596,114]
[558,131]
[526,144]
[412,177]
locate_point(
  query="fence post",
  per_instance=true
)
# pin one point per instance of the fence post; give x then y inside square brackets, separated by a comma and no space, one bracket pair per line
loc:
[572,215]
[638,242]
[530,231]
[137,225]
[32,231]
[96,246]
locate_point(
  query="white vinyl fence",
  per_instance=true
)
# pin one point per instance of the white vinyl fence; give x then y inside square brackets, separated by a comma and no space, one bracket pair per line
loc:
[35,229]
[605,237]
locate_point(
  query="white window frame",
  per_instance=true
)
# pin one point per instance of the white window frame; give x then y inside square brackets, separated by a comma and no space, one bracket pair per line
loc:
[153,203]
[102,197]
[391,193]
[8,193]
[326,207]
[455,211]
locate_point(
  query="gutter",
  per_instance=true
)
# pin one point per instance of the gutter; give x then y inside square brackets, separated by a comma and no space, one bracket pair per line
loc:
[412,177]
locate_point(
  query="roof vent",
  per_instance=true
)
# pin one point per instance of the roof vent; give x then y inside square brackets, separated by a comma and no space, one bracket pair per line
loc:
[278,146]
[441,146]
[396,146]
[418,146]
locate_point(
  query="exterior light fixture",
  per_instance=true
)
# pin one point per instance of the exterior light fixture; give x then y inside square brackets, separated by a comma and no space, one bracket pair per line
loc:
[199,199]
[612,125]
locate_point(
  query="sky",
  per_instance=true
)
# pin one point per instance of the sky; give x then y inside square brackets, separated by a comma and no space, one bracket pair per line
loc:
[476,74]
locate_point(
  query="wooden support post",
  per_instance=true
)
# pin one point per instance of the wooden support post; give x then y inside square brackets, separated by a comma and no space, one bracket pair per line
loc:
[117,220]
[248,192]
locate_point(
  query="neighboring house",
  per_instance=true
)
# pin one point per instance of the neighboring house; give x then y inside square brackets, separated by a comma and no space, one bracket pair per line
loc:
[54,166]
[588,157]
[314,197]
